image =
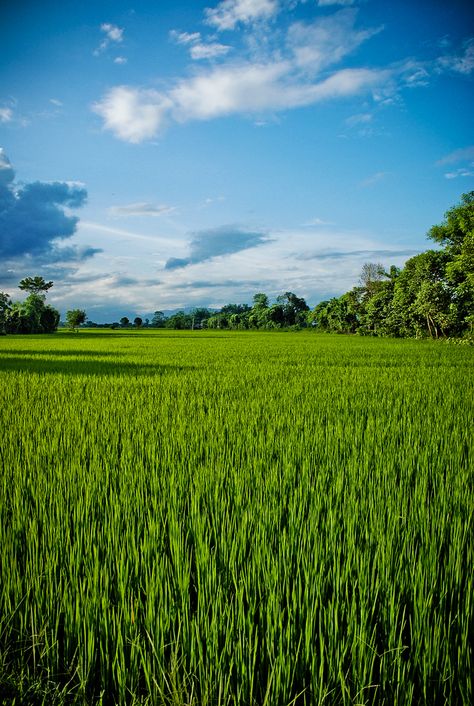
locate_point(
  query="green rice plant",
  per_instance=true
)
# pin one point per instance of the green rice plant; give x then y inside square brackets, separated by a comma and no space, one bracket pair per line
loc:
[211,518]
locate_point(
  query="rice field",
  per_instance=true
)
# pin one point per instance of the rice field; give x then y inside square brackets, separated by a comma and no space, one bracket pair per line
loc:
[260,519]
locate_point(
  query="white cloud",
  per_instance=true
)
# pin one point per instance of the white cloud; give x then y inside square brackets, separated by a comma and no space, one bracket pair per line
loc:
[6,115]
[208,51]
[133,114]
[229,13]
[461,172]
[326,41]
[120,60]
[317,222]
[359,119]
[113,33]
[374,179]
[328,3]
[56,102]
[461,63]
[465,153]
[276,82]
[140,209]
[184,37]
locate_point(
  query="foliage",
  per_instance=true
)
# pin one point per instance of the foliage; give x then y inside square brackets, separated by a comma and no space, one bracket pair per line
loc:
[32,315]
[433,295]
[35,285]
[75,317]
[288,519]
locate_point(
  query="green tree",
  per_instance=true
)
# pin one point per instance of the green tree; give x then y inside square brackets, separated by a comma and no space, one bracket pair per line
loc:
[294,309]
[35,285]
[74,318]
[456,235]
[137,321]
[158,320]
[124,321]
[5,308]
[32,315]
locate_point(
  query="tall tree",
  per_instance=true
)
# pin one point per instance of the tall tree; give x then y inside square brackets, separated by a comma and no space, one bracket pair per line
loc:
[35,285]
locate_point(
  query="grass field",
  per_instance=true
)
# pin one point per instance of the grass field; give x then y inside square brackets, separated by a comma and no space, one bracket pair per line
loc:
[214,518]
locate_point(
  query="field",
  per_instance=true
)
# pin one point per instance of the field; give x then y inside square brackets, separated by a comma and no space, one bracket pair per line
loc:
[210,518]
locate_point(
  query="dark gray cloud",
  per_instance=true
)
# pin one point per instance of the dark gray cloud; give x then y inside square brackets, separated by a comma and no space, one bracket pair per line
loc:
[224,240]
[339,255]
[33,220]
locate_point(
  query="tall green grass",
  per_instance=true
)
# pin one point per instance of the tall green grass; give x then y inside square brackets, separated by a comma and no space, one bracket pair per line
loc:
[214,519]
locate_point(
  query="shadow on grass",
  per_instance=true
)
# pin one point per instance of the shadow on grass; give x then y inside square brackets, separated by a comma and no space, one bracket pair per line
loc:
[55,353]
[91,366]
[186,334]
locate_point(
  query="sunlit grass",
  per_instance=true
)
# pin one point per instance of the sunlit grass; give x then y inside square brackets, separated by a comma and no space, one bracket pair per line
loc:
[235,518]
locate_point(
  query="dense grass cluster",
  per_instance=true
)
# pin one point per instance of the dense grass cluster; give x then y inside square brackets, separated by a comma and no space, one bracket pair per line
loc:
[215,518]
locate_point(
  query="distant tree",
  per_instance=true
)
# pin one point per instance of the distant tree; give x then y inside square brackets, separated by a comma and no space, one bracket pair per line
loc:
[294,309]
[124,321]
[5,307]
[74,318]
[179,321]
[158,320]
[235,309]
[260,301]
[373,273]
[137,321]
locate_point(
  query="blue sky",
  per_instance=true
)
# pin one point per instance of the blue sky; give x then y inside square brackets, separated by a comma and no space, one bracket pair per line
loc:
[158,155]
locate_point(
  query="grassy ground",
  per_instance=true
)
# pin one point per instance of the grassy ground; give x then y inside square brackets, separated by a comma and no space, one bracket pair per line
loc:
[235,518]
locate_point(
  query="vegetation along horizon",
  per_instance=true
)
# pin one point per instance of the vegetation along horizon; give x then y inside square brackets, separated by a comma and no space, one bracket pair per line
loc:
[235,517]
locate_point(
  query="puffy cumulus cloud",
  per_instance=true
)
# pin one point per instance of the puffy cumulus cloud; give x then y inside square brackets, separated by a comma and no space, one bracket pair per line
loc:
[225,240]
[228,13]
[133,114]
[33,221]
[289,79]
[114,33]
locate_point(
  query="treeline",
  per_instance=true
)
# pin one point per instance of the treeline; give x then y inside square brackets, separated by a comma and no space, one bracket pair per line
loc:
[288,311]
[433,295]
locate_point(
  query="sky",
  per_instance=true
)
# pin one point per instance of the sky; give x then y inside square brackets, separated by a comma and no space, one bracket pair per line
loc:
[158,155]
